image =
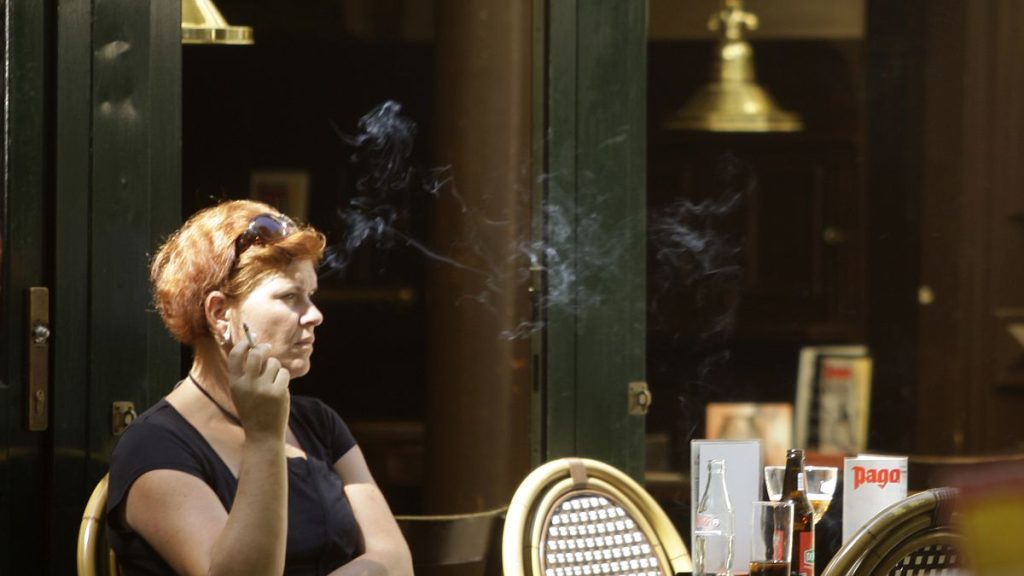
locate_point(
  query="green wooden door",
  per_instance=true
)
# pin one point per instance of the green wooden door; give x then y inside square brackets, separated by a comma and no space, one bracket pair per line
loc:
[91,183]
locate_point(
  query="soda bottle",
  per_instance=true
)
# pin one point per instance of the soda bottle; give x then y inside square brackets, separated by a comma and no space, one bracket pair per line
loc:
[794,489]
[713,530]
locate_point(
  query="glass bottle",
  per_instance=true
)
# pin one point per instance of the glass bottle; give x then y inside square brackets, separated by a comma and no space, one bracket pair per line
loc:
[794,489]
[714,526]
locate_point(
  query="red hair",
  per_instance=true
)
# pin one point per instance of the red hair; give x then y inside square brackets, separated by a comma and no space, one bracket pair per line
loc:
[200,258]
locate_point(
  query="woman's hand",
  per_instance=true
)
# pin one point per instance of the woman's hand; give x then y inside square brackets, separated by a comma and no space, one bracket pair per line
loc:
[385,551]
[259,390]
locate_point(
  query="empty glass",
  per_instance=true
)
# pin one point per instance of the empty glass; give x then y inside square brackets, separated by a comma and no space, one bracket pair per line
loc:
[773,476]
[771,538]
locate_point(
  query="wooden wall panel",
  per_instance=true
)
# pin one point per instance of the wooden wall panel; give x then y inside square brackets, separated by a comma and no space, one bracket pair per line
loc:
[997,44]
[945,254]
[971,371]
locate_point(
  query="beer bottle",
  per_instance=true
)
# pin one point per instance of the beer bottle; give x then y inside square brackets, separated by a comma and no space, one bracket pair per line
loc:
[794,489]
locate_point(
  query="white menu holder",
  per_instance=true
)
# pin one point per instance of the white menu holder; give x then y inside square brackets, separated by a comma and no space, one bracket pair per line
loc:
[870,484]
[743,480]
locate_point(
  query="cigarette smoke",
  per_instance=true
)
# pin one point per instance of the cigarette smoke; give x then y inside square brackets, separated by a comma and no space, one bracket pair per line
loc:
[685,236]
[693,250]
[576,246]
[381,160]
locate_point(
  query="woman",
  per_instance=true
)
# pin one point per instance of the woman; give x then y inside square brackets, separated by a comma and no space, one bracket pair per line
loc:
[229,474]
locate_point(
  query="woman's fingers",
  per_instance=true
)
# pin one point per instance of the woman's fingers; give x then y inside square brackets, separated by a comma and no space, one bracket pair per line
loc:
[255,361]
[282,379]
[259,389]
[237,357]
[269,374]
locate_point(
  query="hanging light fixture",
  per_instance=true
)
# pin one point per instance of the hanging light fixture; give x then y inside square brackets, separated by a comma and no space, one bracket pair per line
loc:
[202,23]
[732,101]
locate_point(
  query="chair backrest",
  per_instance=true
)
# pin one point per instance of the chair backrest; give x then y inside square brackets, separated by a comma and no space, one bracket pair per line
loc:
[926,471]
[913,536]
[452,543]
[94,556]
[577,516]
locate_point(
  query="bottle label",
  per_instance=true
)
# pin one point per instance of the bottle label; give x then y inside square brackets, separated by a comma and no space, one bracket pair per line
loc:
[779,543]
[707,523]
[806,556]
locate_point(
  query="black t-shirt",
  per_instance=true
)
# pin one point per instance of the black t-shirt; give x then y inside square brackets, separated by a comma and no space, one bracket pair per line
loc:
[322,531]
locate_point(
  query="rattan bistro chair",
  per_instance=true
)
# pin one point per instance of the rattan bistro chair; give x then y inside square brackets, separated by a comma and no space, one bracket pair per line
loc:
[577,516]
[914,536]
[95,558]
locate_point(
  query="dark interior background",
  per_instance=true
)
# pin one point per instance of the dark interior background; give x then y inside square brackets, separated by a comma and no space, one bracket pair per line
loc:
[287,103]
[859,170]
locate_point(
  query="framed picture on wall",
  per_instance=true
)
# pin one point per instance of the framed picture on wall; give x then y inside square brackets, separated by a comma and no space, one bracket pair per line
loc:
[805,424]
[771,423]
[844,401]
[286,190]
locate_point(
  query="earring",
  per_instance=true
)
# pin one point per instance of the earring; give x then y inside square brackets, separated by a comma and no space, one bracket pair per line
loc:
[227,335]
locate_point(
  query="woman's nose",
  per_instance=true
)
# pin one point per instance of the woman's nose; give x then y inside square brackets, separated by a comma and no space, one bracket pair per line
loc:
[313,316]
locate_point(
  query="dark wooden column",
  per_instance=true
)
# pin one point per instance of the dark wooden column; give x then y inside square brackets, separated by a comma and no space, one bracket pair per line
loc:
[478,400]
[971,371]
[895,51]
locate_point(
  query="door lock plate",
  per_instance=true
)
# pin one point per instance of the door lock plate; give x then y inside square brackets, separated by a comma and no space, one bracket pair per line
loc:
[639,398]
[38,346]
[122,414]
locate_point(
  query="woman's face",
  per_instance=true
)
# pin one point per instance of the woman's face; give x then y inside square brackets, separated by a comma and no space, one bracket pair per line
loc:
[279,312]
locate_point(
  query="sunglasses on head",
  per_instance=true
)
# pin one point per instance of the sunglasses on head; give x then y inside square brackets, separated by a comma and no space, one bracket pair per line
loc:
[263,229]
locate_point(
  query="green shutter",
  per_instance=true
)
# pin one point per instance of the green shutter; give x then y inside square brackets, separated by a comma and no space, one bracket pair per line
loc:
[594,98]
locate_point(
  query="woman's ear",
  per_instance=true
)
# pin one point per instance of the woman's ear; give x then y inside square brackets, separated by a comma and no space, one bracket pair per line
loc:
[218,315]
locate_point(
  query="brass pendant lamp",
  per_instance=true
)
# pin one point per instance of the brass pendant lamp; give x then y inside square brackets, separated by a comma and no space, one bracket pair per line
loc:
[732,101]
[202,23]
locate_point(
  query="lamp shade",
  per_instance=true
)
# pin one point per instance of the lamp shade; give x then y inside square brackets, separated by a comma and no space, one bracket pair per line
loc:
[202,23]
[732,101]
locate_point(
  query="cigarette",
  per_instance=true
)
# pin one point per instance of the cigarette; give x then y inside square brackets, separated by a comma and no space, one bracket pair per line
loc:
[248,335]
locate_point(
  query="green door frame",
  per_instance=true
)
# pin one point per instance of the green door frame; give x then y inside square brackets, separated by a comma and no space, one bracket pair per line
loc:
[24,249]
[591,210]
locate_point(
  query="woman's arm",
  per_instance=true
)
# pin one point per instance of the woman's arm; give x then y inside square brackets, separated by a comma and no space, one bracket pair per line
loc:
[182,518]
[185,522]
[385,549]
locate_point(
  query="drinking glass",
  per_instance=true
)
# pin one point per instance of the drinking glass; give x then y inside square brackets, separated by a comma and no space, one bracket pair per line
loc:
[821,485]
[773,476]
[771,538]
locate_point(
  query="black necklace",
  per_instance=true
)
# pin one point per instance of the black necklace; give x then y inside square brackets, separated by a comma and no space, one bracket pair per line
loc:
[227,413]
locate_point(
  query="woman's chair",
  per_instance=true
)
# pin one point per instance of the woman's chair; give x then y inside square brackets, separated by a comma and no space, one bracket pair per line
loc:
[453,544]
[580,516]
[913,536]
[95,558]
